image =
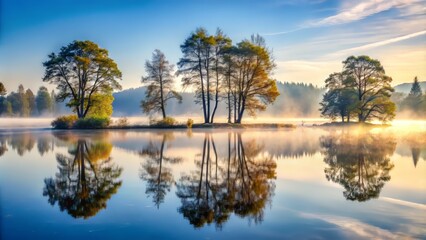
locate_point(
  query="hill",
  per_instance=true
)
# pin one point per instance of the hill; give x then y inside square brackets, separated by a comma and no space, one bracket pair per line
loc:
[406,87]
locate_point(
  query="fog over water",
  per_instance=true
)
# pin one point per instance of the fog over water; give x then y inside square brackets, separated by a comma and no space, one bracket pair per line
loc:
[15,123]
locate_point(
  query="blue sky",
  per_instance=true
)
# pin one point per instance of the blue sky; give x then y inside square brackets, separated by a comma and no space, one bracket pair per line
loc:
[309,39]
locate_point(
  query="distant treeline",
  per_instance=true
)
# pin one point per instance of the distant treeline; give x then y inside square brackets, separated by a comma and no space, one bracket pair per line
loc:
[23,103]
[413,103]
[295,100]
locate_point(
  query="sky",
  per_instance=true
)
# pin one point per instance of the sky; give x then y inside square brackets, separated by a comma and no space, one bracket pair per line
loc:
[309,39]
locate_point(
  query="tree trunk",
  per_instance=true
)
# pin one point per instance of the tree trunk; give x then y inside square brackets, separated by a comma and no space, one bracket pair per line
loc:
[217,92]
[203,100]
[163,111]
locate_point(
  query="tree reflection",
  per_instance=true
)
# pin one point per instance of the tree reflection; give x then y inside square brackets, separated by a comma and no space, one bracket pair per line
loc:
[241,183]
[360,163]
[417,145]
[85,181]
[159,178]
[22,143]
[3,146]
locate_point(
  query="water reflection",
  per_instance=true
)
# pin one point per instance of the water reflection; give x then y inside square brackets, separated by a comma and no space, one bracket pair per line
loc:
[417,146]
[241,182]
[158,177]
[86,179]
[359,162]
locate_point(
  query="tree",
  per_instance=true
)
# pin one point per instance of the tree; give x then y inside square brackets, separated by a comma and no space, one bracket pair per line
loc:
[254,88]
[220,45]
[414,99]
[372,87]
[340,98]
[160,84]
[3,101]
[195,67]
[53,98]
[31,101]
[3,90]
[80,70]
[19,102]
[43,100]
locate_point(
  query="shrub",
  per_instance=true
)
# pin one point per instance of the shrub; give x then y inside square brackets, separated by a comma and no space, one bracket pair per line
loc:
[189,123]
[168,121]
[64,122]
[92,122]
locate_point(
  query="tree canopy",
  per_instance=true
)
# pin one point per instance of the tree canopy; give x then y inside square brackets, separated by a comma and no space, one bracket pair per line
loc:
[361,89]
[160,84]
[80,71]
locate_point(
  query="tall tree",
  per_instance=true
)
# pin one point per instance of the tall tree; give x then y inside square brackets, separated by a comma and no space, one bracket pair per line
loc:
[254,87]
[340,98]
[414,99]
[160,84]
[54,102]
[220,45]
[80,70]
[195,67]
[31,101]
[3,101]
[372,87]
[43,100]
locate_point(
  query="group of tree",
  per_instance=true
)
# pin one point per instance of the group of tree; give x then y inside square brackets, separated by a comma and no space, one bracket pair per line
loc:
[361,90]
[215,70]
[23,103]
[415,101]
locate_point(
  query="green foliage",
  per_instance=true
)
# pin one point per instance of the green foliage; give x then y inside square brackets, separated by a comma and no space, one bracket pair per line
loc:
[189,123]
[81,70]
[362,89]
[64,122]
[101,105]
[160,84]
[72,121]
[43,100]
[213,67]
[165,122]
[415,101]
[92,122]
[31,101]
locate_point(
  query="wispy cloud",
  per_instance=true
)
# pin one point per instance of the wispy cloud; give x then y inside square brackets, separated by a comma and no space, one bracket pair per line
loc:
[362,10]
[379,43]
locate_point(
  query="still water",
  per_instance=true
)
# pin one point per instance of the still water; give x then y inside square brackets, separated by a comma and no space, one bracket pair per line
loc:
[213,184]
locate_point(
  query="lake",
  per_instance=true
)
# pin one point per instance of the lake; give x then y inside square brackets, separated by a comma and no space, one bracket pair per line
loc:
[304,183]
